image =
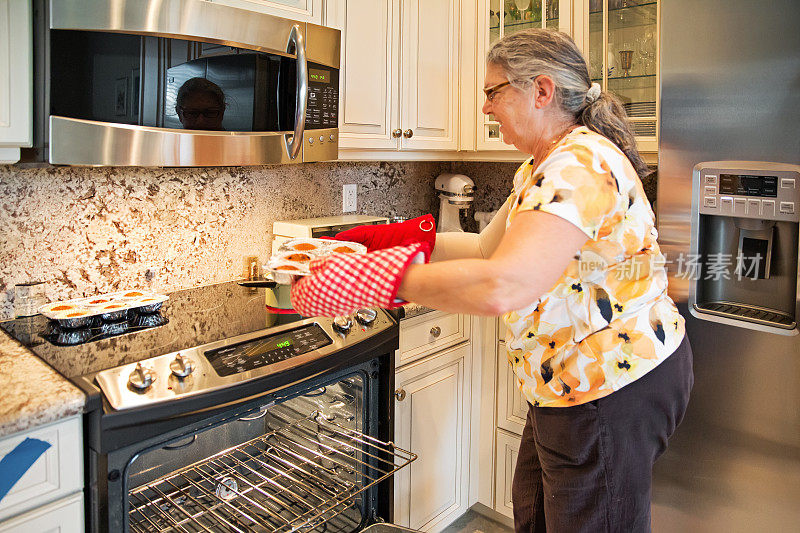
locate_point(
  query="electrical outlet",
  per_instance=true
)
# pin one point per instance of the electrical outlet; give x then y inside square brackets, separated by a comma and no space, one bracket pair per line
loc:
[349,198]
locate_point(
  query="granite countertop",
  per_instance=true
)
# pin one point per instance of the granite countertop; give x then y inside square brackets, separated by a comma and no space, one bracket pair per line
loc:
[33,393]
[411,310]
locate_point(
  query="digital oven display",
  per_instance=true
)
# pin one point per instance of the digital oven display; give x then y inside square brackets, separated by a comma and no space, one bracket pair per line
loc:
[746,185]
[319,76]
[264,351]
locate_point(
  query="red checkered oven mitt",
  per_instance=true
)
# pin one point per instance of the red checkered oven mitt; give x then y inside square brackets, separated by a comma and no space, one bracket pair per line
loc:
[380,236]
[340,284]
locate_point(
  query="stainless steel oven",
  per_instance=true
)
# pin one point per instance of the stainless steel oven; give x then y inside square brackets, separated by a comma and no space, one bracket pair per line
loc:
[181,83]
[214,414]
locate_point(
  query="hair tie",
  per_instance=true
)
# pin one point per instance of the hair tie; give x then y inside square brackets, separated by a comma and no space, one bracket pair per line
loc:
[593,93]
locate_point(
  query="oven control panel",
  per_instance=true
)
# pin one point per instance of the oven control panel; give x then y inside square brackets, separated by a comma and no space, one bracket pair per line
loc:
[236,360]
[249,355]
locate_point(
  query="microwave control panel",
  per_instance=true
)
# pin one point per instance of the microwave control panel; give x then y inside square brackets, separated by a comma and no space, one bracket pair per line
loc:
[761,193]
[323,97]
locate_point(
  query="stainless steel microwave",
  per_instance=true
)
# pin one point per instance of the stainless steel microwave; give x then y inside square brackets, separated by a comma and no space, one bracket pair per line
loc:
[181,83]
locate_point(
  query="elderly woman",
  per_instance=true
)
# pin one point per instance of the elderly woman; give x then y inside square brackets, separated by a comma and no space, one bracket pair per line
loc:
[572,264]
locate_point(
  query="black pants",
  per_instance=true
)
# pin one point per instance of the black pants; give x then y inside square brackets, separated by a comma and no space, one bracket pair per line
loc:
[589,467]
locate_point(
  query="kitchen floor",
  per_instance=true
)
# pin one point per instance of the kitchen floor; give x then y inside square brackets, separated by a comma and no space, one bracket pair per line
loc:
[473,522]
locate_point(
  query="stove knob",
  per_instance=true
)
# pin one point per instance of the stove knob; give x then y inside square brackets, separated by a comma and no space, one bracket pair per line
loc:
[141,378]
[181,366]
[342,324]
[366,317]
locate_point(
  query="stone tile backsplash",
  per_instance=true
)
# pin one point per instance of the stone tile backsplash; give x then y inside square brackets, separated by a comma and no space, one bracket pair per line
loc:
[90,230]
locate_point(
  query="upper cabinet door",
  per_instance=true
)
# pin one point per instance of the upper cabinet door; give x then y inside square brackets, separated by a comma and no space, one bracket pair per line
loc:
[16,78]
[497,18]
[620,41]
[368,108]
[429,62]
[303,10]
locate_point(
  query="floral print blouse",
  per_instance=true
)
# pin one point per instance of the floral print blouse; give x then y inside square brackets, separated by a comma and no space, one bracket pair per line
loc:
[608,320]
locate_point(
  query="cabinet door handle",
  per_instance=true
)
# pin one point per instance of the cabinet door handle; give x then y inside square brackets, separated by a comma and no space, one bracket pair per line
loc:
[397,133]
[400,394]
[408,134]
[436,331]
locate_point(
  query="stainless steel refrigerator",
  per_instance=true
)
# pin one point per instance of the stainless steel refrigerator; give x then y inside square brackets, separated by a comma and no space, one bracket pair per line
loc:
[730,92]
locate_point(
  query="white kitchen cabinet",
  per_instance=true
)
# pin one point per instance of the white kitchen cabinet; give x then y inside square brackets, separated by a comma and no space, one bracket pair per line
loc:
[497,18]
[432,413]
[425,334]
[16,78]
[506,462]
[56,476]
[302,10]
[399,74]
[619,38]
[62,516]
[512,408]
[368,77]
[601,29]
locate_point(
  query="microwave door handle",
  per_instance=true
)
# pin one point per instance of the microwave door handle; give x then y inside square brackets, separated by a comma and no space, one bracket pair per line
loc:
[301,99]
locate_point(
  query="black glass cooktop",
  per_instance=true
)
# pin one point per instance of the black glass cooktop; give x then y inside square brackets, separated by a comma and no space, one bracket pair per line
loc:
[189,318]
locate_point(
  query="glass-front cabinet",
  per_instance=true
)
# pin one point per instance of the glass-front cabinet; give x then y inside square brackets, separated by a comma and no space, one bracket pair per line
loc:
[622,50]
[619,39]
[497,18]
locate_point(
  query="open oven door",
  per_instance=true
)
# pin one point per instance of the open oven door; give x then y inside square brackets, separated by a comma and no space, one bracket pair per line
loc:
[307,463]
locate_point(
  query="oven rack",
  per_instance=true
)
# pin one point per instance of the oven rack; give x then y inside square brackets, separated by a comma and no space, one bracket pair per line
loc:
[307,475]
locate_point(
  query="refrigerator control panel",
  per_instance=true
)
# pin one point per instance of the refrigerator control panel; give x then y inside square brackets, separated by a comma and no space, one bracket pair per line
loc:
[762,193]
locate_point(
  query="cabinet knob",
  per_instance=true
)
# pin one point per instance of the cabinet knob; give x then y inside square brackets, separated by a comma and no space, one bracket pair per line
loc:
[408,134]
[397,133]
[436,331]
[400,394]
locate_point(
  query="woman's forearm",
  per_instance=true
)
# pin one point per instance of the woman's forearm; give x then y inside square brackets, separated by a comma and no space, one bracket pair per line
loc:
[454,245]
[473,286]
[458,286]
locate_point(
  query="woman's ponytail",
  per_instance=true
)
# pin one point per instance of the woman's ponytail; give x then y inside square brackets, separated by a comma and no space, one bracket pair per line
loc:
[606,116]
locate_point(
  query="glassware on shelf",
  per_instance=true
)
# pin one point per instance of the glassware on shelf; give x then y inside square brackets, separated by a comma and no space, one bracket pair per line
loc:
[595,63]
[523,6]
[646,47]
[625,60]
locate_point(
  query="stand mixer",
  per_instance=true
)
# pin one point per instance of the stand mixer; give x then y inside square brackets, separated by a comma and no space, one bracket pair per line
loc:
[455,193]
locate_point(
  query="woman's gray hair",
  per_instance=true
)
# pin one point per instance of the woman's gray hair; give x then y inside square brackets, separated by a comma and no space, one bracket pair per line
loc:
[524,55]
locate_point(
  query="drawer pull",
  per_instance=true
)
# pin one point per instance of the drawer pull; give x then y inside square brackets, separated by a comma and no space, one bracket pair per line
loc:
[400,394]
[436,331]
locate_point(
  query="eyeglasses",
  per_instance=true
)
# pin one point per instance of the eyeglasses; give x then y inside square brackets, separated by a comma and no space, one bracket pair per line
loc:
[194,113]
[491,92]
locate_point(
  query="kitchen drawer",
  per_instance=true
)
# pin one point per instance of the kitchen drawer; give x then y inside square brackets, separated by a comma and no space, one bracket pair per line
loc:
[58,472]
[62,516]
[428,333]
[505,462]
[512,407]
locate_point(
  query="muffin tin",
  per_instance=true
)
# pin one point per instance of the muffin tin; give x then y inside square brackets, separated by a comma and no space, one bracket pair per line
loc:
[112,307]
[295,255]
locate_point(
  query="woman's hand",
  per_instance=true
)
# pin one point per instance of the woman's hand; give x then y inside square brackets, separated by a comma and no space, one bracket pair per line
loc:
[340,284]
[379,236]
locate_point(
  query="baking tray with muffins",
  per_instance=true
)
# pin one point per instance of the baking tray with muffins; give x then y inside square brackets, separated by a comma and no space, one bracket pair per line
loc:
[80,312]
[295,255]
